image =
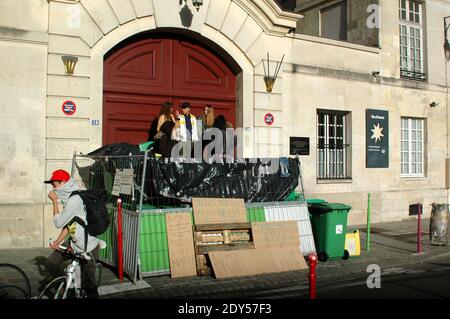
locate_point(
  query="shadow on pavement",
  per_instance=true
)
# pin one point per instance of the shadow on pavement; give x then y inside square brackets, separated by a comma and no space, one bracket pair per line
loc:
[50,267]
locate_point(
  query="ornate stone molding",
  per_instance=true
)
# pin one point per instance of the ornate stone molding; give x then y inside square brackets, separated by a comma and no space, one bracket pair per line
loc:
[64,1]
[269,16]
[266,13]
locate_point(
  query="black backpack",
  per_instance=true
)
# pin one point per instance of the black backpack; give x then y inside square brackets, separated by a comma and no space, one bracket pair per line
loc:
[96,213]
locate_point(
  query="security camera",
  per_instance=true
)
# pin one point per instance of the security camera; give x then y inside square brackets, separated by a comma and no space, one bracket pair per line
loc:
[375,73]
[434,104]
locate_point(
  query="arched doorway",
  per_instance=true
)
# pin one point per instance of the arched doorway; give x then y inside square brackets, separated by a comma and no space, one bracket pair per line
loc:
[140,74]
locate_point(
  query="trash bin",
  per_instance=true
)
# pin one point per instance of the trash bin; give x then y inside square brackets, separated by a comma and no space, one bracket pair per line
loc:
[438,224]
[294,197]
[313,201]
[329,224]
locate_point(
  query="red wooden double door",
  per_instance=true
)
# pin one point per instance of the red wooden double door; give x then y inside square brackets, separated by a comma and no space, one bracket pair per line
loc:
[142,75]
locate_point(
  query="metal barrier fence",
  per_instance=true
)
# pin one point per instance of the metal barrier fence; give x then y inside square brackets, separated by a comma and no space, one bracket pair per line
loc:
[289,211]
[130,226]
[145,247]
[154,252]
[120,177]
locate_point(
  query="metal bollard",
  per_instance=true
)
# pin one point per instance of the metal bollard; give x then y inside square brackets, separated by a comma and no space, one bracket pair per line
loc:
[119,239]
[312,258]
[419,229]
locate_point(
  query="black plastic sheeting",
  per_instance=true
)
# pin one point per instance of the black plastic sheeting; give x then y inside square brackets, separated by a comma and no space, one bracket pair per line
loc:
[252,180]
[175,183]
[118,149]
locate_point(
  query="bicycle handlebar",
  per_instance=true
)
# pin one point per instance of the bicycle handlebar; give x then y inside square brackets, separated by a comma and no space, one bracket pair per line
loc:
[66,251]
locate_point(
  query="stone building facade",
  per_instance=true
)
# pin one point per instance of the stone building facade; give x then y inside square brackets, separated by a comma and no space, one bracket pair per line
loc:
[323,92]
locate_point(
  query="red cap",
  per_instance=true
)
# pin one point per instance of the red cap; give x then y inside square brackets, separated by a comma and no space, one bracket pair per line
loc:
[58,176]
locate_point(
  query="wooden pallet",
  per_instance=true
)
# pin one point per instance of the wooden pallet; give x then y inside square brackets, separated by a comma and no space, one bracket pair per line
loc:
[219,237]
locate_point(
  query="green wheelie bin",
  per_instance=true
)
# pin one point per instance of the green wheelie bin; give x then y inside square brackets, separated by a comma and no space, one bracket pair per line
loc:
[313,201]
[329,224]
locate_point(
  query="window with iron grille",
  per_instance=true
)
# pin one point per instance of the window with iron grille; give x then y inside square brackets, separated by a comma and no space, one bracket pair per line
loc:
[412,147]
[333,151]
[411,40]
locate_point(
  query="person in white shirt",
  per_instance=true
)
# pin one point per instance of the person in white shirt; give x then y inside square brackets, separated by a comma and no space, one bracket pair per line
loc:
[187,128]
[63,186]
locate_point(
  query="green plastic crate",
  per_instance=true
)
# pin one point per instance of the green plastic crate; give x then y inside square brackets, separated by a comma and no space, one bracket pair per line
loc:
[107,236]
[153,245]
[256,215]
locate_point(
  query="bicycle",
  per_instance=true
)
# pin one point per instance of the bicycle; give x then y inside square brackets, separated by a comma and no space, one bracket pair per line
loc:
[8,290]
[68,286]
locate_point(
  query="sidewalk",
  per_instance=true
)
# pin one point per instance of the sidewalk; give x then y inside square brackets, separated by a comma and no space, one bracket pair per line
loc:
[392,245]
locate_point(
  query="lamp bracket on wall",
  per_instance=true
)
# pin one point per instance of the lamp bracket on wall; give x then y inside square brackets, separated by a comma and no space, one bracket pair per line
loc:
[196,3]
[69,63]
[269,79]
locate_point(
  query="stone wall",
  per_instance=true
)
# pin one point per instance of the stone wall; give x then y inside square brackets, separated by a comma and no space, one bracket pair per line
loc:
[23,65]
[316,74]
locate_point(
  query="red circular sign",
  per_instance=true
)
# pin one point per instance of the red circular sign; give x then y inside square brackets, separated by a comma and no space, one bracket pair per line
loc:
[69,107]
[269,119]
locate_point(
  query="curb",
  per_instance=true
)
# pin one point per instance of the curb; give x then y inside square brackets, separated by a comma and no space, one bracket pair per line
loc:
[327,275]
[122,287]
[443,255]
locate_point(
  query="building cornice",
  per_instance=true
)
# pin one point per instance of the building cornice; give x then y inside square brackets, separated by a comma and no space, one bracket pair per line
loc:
[337,43]
[269,16]
[352,76]
[23,36]
[266,13]
[65,1]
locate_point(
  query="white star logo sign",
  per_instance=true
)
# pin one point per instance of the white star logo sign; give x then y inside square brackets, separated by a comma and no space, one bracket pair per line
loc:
[377,132]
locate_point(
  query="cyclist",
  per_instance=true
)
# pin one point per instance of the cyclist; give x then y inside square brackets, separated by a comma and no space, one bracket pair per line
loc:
[63,186]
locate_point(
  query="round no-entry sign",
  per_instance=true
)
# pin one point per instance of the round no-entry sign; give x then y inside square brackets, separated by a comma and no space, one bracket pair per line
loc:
[69,107]
[269,118]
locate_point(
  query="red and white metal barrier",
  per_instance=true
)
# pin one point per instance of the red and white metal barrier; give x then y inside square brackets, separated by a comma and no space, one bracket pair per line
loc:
[119,239]
[312,258]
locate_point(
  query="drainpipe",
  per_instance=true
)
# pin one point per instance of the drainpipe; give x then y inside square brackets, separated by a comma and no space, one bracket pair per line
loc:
[448,135]
[447,164]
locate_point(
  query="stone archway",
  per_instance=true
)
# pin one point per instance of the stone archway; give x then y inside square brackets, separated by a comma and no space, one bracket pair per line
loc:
[244,79]
[245,29]
[143,72]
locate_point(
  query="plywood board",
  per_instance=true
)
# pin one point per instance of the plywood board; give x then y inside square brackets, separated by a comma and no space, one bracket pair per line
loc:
[218,210]
[254,262]
[181,245]
[275,234]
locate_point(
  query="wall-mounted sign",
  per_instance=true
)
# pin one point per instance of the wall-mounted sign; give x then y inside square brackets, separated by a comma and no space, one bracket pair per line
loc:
[69,107]
[95,122]
[377,139]
[123,182]
[269,118]
[299,145]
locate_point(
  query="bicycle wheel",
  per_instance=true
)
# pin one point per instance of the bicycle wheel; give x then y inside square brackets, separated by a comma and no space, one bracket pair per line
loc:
[55,290]
[14,283]
[11,292]
[98,274]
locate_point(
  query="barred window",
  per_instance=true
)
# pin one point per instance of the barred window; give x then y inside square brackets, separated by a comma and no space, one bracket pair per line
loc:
[333,158]
[412,147]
